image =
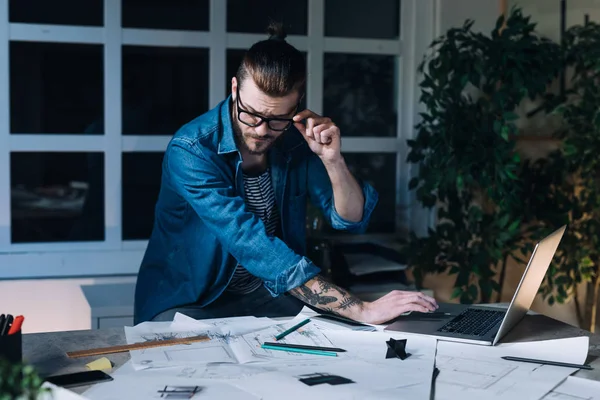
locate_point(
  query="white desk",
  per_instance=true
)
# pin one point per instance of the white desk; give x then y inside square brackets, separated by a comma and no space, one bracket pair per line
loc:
[111,304]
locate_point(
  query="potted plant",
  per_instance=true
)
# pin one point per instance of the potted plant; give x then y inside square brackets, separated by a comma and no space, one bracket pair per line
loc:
[465,148]
[574,173]
[19,381]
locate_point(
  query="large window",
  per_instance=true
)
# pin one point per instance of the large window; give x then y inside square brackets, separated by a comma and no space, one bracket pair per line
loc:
[91,95]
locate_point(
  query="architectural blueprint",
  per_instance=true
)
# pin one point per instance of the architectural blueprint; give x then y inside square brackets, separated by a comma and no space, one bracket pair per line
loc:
[225,344]
[574,388]
[475,372]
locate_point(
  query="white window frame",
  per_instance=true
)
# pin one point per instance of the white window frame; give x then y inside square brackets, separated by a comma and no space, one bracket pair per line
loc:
[113,256]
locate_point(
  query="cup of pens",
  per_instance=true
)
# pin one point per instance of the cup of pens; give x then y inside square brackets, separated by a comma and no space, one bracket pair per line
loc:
[10,338]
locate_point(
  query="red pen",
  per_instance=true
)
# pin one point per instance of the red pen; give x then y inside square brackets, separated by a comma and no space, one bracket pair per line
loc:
[16,325]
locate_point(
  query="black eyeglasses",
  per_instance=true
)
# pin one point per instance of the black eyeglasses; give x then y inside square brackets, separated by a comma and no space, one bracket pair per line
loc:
[251,119]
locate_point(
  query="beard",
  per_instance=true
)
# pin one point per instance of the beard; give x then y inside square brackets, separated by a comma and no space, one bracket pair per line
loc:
[247,140]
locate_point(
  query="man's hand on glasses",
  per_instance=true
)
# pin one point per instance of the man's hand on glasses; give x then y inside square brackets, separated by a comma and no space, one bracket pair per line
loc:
[321,134]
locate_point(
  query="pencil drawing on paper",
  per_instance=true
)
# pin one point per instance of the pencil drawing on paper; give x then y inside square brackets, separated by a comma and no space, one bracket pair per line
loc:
[469,373]
[153,337]
[159,336]
[212,353]
[223,337]
[563,396]
[187,372]
[179,392]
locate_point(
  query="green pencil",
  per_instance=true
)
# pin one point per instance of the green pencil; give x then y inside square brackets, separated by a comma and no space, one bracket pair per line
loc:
[305,351]
[292,329]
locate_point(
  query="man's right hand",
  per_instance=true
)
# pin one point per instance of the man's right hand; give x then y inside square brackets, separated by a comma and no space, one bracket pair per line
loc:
[395,303]
[324,295]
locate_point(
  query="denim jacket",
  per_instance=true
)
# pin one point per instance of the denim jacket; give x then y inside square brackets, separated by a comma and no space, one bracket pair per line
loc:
[202,228]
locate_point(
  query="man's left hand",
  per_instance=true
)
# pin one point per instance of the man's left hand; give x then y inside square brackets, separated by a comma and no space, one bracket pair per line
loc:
[321,134]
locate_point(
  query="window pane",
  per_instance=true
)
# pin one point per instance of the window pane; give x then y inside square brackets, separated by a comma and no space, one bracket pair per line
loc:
[160,14]
[254,16]
[57,197]
[60,12]
[378,19]
[141,184]
[56,88]
[234,59]
[379,170]
[359,93]
[163,88]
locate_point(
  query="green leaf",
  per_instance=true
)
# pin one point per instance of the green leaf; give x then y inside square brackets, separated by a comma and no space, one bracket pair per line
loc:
[460,182]
[510,116]
[504,133]
[495,285]
[473,291]
[514,226]
[464,80]
[456,292]
[497,126]
[503,221]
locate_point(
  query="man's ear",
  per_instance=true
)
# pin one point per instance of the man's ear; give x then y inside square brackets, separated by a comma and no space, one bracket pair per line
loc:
[234,84]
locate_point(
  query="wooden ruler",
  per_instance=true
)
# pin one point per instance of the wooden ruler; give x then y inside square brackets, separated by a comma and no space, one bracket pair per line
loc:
[136,346]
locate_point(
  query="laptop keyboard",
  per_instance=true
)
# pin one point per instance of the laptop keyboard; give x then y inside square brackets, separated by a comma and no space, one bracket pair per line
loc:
[473,321]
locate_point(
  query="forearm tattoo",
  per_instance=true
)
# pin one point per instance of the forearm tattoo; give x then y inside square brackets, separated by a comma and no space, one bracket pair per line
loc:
[326,296]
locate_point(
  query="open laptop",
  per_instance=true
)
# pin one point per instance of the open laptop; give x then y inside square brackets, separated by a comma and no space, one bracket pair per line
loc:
[481,324]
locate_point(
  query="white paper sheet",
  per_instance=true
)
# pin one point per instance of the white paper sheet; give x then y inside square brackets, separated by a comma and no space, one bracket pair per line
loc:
[233,326]
[287,381]
[574,388]
[135,387]
[208,371]
[364,363]
[475,372]
[223,346]
[408,378]
[248,347]
[215,350]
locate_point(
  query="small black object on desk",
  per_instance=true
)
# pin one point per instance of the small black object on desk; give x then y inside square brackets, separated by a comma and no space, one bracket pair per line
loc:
[10,339]
[397,349]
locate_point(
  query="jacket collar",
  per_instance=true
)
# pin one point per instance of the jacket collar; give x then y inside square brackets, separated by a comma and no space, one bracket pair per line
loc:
[227,138]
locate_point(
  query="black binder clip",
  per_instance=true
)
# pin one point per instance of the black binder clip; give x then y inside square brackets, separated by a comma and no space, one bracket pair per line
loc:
[397,349]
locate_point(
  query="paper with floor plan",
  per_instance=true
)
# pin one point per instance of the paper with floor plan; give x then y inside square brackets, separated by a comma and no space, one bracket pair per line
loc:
[575,388]
[215,350]
[223,346]
[416,371]
[474,372]
[233,326]
[364,363]
[246,336]
[205,371]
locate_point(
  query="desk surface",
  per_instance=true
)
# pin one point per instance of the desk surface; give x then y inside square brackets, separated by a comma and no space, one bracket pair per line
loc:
[46,351]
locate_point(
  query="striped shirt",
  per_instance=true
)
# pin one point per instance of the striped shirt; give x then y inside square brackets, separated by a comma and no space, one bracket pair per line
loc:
[260,200]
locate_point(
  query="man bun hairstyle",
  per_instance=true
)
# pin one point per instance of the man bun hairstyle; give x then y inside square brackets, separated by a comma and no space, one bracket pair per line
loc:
[276,67]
